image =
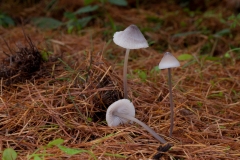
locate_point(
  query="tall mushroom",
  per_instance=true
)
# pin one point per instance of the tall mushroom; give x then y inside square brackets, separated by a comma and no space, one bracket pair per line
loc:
[121,112]
[130,38]
[169,61]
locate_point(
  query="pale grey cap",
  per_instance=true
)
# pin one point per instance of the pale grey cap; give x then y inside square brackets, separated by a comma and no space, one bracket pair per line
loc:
[168,61]
[123,106]
[130,38]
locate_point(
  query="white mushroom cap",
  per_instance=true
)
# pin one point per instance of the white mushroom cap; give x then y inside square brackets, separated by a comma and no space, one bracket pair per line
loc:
[168,61]
[130,38]
[123,106]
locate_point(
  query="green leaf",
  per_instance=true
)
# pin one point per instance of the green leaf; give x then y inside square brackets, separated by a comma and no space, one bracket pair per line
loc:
[227,55]
[46,23]
[55,142]
[238,16]
[222,127]
[37,158]
[118,2]
[70,15]
[189,63]
[45,55]
[234,20]
[89,119]
[84,21]
[222,32]
[79,23]
[87,2]
[51,4]
[8,20]
[142,75]
[199,104]
[185,57]
[233,50]
[9,154]
[220,94]
[5,20]
[233,25]
[155,69]
[70,29]
[1,22]
[71,151]
[86,9]
[214,59]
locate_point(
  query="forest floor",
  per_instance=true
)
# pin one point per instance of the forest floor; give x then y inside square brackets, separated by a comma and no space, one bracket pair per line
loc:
[55,86]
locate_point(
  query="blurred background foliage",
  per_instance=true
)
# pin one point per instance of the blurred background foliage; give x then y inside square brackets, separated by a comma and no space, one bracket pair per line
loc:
[76,14]
[182,22]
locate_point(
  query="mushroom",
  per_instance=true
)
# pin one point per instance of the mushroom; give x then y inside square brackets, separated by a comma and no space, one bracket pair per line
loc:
[169,61]
[121,112]
[130,38]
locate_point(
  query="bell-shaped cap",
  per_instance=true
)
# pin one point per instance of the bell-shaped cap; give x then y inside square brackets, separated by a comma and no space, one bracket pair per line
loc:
[130,38]
[168,61]
[123,106]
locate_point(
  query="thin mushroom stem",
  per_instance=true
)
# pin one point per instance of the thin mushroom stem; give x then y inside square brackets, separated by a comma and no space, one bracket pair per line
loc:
[171,102]
[152,132]
[125,74]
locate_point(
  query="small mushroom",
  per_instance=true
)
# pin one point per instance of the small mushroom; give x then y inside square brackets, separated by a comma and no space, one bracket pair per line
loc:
[130,38]
[169,61]
[123,111]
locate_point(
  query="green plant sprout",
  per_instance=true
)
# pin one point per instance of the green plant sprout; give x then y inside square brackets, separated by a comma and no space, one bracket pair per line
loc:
[57,143]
